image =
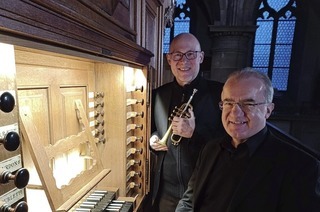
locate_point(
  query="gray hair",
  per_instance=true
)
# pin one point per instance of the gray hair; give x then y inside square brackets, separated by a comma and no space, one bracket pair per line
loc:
[250,72]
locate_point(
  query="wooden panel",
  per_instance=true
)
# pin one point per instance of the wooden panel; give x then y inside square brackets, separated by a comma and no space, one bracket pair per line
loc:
[74,24]
[61,77]
[37,100]
[63,198]
[68,115]
[48,85]
[154,29]
[111,81]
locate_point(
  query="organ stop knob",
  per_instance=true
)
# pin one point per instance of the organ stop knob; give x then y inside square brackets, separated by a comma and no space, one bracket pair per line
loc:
[20,207]
[7,102]
[21,178]
[11,141]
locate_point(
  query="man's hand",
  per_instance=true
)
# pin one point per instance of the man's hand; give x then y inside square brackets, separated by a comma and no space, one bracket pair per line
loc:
[184,127]
[155,145]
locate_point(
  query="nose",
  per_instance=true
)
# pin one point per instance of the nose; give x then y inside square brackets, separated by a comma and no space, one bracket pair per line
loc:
[236,109]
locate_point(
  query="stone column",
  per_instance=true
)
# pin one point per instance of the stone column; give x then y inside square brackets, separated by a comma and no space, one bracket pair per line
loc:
[231,49]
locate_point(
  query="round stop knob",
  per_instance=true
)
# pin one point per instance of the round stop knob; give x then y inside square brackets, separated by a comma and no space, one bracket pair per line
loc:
[11,141]
[20,207]
[7,102]
[21,178]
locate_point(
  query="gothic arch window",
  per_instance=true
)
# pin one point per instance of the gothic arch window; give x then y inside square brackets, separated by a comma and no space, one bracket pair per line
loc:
[273,42]
[181,23]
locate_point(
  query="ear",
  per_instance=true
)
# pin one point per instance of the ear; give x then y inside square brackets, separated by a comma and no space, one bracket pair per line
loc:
[201,56]
[270,108]
[168,59]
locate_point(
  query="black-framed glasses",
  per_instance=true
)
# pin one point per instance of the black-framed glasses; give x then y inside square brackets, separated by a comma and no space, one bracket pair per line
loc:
[190,55]
[245,106]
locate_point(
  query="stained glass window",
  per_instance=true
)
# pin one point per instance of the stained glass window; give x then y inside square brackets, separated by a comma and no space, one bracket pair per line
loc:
[181,23]
[273,42]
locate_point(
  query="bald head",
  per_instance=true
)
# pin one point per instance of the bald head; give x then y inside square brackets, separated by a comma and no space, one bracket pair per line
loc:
[185,37]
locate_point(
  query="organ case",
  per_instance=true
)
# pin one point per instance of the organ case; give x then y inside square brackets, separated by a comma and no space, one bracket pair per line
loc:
[90,51]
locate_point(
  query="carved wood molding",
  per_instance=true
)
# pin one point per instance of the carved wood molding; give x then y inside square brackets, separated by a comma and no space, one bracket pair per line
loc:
[72,24]
[107,5]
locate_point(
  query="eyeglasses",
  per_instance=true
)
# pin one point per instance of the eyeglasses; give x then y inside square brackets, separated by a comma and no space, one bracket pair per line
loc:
[245,106]
[190,55]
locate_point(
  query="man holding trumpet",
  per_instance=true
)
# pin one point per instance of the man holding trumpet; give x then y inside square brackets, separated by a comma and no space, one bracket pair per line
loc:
[185,114]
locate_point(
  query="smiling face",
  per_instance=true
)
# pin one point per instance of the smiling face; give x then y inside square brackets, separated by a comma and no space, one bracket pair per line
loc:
[241,124]
[185,70]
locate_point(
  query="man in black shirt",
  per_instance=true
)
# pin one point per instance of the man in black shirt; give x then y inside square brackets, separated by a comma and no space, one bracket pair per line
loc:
[252,169]
[175,163]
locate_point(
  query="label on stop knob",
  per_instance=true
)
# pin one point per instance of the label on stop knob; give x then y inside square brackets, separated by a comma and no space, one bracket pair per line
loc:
[12,196]
[8,128]
[11,164]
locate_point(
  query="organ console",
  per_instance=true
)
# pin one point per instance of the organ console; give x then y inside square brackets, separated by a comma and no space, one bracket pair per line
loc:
[82,125]
[105,57]
[88,122]
[81,146]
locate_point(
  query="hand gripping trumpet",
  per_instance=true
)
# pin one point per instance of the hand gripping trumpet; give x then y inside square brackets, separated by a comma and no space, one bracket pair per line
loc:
[176,138]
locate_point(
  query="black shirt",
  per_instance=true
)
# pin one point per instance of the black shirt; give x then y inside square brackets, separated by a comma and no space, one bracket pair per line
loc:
[171,176]
[227,173]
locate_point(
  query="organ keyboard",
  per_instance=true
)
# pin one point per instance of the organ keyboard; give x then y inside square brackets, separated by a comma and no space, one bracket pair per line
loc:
[100,200]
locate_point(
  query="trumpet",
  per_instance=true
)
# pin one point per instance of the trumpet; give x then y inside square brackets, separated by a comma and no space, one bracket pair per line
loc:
[182,110]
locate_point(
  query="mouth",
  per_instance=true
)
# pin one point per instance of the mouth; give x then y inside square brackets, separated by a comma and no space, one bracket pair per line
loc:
[238,122]
[184,69]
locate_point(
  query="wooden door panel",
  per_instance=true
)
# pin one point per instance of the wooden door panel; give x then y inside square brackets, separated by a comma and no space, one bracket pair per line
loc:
[37,100]
[69,119]
[48,84]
